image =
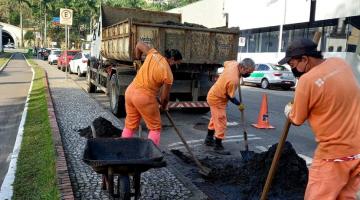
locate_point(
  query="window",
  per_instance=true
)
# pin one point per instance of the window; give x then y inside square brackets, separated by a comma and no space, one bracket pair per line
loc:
[263,67]
[331,49]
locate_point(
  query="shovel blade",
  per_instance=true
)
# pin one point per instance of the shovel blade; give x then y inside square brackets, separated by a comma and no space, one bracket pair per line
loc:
[204,171]
[247,155]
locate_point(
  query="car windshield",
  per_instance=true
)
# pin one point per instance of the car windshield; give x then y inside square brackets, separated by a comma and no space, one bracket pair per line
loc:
[72,53]
[279,68]
[56,52]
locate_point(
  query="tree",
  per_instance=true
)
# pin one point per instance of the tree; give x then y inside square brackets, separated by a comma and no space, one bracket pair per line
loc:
[29,36]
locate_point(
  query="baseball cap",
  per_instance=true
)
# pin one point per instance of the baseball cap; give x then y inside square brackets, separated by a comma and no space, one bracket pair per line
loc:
[298,47]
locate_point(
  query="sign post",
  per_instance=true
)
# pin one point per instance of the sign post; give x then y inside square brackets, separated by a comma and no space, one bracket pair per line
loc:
[242,42]
[66,18]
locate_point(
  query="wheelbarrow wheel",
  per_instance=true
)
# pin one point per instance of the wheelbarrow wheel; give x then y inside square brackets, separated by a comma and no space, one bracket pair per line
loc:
[124,187]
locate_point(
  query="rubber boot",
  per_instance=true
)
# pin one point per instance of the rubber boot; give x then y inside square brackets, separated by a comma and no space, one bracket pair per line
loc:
[155,137]
[218,145]
[127,133]
[209,140]
[219,148]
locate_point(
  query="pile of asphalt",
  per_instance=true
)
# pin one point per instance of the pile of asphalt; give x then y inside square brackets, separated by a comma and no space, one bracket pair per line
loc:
[103,129]
[239,179]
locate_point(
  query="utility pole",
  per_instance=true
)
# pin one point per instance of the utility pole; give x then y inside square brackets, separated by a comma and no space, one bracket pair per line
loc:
[281,31]
[45,38]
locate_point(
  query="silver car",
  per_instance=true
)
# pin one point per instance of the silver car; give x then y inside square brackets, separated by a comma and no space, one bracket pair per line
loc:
[267,75]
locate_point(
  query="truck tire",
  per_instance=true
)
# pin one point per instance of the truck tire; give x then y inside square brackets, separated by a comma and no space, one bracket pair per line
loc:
[91,87]
[117,101]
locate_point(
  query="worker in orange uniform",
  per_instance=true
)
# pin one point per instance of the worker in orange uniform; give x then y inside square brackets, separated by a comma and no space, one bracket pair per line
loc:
[141,95]
[328,96]
[218,96]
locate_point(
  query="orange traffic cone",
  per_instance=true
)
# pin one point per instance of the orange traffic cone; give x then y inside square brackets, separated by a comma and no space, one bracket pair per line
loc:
[263,118]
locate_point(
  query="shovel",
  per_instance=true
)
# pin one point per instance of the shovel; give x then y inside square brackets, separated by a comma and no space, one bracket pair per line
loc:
[246,155]
[202,169]
[276,159]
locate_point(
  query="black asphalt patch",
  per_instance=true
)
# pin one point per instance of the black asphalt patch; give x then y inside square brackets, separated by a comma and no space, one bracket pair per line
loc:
[103,129]
[233,178]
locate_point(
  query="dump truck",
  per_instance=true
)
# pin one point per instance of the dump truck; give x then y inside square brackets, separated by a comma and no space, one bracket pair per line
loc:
[111,65]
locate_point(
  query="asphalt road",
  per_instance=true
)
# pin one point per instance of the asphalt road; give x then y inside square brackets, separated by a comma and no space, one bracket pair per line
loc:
[194,126]
[15,82]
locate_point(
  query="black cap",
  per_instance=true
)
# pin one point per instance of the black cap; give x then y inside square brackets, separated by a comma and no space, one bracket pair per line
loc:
[298,47]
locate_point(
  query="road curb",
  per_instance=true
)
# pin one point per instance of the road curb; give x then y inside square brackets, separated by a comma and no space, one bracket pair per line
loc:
[63,178]
[5,64]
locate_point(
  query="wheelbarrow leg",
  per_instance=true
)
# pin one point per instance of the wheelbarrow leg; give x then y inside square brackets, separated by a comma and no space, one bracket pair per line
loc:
[104,182]
[110,181]
[137,178]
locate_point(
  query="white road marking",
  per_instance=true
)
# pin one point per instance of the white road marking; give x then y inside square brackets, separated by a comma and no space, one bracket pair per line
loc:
[261,148]
[227,123]
[202,140]
[307,159]
[225,141]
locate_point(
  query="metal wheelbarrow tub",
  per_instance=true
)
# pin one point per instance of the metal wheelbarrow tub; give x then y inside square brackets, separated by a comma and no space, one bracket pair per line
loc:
[125,157]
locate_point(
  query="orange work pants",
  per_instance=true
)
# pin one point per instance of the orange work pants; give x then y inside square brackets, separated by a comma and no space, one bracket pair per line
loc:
[218,119]
[138,103]
[333,180]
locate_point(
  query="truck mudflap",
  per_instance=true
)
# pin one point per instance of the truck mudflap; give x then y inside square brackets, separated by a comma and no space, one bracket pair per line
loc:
[188,104]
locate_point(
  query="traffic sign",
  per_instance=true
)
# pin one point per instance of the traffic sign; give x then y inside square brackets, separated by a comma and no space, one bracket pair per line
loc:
[242,41]
[66,16]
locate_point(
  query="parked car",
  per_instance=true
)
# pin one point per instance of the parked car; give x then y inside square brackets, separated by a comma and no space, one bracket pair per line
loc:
[267,75]
[9,46]
[45,54]
[79,63]
[54,56]
[64,59]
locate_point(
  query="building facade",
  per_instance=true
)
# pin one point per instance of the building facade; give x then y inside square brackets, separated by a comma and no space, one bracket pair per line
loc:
[263,23]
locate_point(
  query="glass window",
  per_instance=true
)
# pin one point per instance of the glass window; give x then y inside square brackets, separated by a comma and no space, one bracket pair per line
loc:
[263,67]
[273,41]
[339,49]
[331,49]
[71,53]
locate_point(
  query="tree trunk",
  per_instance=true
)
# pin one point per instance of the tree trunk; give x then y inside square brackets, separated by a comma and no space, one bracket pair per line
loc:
[21,26]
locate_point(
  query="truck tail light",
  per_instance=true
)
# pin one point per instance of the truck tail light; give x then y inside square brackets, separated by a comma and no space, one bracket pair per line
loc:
[84,60]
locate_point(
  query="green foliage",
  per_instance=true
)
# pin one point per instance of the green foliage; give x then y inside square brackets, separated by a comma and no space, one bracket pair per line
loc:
[29,35]
[14,18]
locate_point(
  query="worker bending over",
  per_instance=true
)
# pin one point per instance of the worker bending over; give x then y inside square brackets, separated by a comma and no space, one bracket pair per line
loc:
[218,96]
[328,96]
[141,94]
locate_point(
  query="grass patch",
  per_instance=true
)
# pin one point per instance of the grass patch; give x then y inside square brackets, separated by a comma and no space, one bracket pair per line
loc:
[4,57]
[35,176]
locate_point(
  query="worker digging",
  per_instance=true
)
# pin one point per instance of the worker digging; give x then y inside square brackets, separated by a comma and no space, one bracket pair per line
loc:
[220,93]
[141,95]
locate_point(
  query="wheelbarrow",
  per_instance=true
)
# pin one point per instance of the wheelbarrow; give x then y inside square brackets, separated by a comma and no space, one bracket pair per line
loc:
[124,158]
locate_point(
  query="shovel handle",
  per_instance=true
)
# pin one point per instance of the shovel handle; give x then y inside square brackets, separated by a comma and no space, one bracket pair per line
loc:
[276,159]
[243,122]
[202,168]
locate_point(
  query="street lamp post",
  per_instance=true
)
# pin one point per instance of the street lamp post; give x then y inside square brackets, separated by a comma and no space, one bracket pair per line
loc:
[281,31]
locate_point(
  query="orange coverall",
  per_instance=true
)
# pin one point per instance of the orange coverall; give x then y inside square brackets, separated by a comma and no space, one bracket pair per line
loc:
[328,96]
[140,96]
[226,84]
